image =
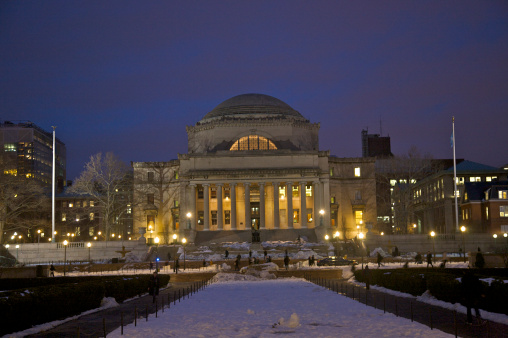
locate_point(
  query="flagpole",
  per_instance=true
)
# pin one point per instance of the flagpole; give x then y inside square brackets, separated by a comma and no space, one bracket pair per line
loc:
[455,177]
[53,239]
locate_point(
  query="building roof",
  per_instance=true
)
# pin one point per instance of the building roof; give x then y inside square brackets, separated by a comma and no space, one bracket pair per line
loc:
[476,190]
[472,166]
[248,106]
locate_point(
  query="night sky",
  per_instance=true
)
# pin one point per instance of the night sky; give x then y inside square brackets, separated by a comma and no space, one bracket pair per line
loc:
[128,76]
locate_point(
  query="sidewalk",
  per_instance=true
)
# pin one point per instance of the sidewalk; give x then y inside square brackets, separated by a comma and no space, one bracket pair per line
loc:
[91,325]
[433,316]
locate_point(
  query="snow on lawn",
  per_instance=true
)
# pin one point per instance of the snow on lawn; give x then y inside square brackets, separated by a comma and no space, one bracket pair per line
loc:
[243,306]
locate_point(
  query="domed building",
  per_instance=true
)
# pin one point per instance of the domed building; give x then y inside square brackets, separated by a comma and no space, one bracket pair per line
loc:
[254,171]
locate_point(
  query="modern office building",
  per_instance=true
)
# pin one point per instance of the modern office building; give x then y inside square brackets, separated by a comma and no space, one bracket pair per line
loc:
[30,149]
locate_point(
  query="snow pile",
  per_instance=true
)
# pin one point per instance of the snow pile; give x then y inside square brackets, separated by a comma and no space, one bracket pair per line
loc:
[132,258]
[292,322]
[232,277]
[108,302]
[236,246]
[225,267]
[374,252]
[306,254]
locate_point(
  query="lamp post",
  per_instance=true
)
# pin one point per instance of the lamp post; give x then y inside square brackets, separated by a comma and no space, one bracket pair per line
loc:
[321,214]
[17,248]
[432,234]
[188,220]
[463,230]
[335,241]
[157,254]
[65,254]
[360,235]
[89,245]
[174,238]
[184,241]
[495,241]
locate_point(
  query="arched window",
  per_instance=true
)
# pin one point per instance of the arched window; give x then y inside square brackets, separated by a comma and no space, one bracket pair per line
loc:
[253,142]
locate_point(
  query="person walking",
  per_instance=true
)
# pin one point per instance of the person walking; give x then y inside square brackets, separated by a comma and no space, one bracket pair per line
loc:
[429,259]
[286,262]
[177,265]
[366,273]
[379,259]
[480,260]
[153,288]
[266,254]
[472,291]
[310,261]
[226,254]
[250,254]
[237,263]
[52,269]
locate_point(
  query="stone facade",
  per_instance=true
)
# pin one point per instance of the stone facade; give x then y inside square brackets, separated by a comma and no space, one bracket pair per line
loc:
[254,164]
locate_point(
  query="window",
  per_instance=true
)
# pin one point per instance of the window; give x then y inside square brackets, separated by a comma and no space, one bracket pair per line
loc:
[358,217]
[491,178]
[201,217]
[486,213]
[150,198]
[150,222]
[78,204]
[503,194]
[227,193]
[176,204]
[91,232]
[282,192]
[151,176]
[331,171]
[92,216]
[503,211]
[71,204]
[64,217]
[475,179]
[227,217]
[129,209]
[357,172]
[91,203]
[214,217]
[253,142]
[332,200]
[213,193]
[295,190]
[200,193]
[176,175]
[308,190]
[460,180]
[84,204]
[310,219]
[358,195]
[504,228]
[393,182]
[296,215]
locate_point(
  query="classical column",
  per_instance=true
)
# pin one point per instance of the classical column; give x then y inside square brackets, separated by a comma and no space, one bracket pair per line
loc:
[219,207]
[248,222]
[303,205]
[317,206]
[232,189]
[289,199]
[276,218]
[206,200]
[262,206]
[326,201]
[192,207]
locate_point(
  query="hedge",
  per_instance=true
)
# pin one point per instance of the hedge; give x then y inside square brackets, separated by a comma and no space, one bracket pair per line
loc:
[443,284]
[41,304]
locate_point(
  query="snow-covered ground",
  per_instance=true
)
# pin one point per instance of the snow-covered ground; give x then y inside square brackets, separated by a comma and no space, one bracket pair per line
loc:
[244,306]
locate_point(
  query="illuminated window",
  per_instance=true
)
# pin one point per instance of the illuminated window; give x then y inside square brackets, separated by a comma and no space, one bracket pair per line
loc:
[357,172]
[503,211]
[129,209]
[310,219]
[486,213]
[92,216]
[71,204]
[308,190]
[10,147]
[176,176]
[460,180]
[475,179]
[90,232]
[227,193]
[296,216]
[253,142]
[295,190]
[331,171]
[503,194]
[282,192]
[64,217]
[214,217]
[227,217]
[393,182]
[358,217]
[213,193]
[91,203]
[332,200]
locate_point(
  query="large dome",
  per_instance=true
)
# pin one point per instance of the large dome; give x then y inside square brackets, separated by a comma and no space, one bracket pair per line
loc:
[248,106]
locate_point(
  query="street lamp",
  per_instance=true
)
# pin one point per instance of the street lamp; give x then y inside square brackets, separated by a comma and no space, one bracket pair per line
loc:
[335,241]
[17,248]
[157,254]
[321,214]
[463,230]
[360,236]
[432,234]
[65,254]
[188,220]
[89,245]
[174,239]
[184,241]
[39,237]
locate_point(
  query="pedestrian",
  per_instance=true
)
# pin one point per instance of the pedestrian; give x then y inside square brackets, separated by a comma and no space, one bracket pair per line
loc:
[286,262]
[379,259]
[169,257]
[52,269]
[472,291]
[266,254]
[204,263]
[237,263]
[226,254]
[151,265]
[299,239]
[153,288]
[177,265]
[269,259]
[480,260]
[250,254]
[310,261]
[429,259]
[313,260]
[366,273]
[418,258]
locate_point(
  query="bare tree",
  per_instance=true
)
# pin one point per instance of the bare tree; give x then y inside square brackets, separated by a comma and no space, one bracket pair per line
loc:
[399,174]
[106,180]
[160,181]
[20,199]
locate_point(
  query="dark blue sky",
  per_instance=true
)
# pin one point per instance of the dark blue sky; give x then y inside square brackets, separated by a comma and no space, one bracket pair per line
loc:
[128,76]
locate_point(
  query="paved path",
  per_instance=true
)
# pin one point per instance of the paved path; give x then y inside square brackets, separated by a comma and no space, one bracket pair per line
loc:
[433,316]
[92,325]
